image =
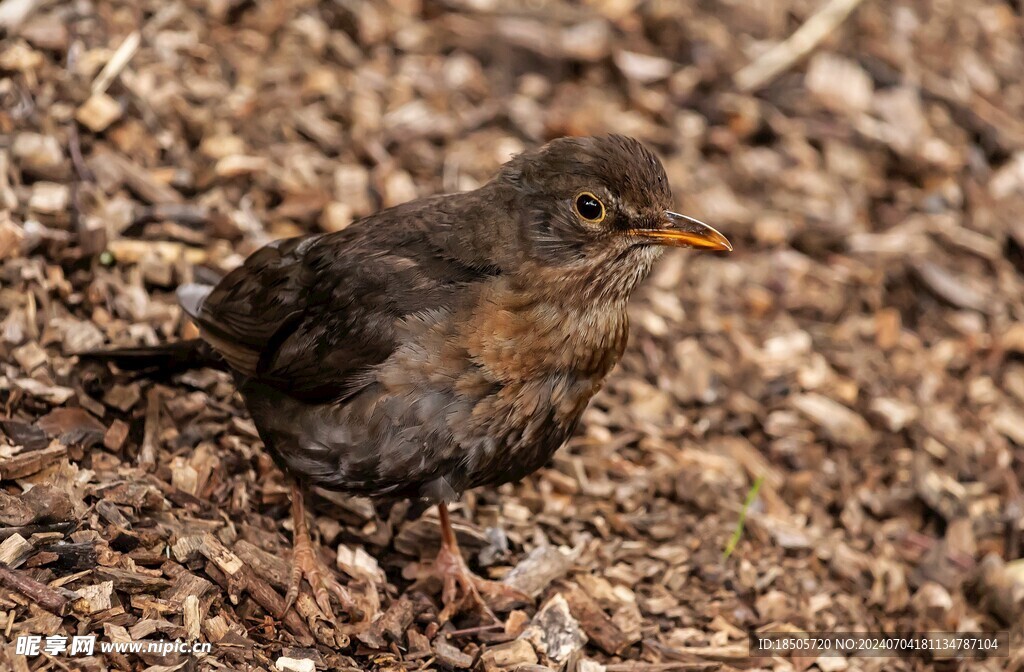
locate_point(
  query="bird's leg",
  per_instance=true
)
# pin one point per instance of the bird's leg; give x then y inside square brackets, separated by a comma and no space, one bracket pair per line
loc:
[306,563]
[455,574]
[452,568]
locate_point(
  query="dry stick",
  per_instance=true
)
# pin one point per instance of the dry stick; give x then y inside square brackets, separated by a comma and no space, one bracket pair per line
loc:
[117,62]
[780,57]
[46,597]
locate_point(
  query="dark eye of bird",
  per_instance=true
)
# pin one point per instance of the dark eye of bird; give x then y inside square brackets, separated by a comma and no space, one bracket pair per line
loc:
[589,207]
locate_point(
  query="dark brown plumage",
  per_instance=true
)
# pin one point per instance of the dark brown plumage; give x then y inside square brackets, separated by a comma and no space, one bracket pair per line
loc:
[450,342]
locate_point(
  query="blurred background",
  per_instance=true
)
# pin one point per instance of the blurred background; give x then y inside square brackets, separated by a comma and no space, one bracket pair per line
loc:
[860,356]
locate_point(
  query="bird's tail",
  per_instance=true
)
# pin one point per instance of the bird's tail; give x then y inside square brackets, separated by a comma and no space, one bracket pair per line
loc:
[169,358]
[161,360]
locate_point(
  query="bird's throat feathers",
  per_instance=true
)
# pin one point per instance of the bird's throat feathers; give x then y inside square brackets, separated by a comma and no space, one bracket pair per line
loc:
[518,333]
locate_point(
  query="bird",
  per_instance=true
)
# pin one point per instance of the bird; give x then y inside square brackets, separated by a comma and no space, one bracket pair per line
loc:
[447,343]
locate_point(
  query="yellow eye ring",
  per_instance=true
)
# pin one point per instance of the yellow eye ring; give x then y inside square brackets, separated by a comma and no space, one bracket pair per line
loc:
[589,207]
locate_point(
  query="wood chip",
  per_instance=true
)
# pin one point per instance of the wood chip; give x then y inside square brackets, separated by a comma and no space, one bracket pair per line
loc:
[116,434]
[451,657]
[98,112]
[30,462]
[95,598]
[130,582]
[49,198]
[948,287]
[286,664]
[839,423]
[509,656]
[236,165]
[598,626]
[14,550]
[393,624]
[539,569]
[553,632]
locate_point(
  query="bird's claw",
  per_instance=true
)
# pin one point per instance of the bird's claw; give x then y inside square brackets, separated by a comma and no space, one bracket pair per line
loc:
[306,564]
[478,592]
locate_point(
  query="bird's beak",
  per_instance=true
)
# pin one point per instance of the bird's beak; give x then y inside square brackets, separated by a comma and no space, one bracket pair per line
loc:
[683,231]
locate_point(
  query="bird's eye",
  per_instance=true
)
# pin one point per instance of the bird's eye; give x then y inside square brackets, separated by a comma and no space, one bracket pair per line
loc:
[589,207]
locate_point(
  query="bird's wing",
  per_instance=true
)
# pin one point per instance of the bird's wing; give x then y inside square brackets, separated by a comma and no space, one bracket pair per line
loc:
[309,316]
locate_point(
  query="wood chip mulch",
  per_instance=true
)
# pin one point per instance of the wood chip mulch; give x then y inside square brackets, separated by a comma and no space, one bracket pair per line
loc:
[860,355]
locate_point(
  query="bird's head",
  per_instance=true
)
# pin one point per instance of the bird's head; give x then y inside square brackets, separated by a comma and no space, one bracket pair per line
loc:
[598,210]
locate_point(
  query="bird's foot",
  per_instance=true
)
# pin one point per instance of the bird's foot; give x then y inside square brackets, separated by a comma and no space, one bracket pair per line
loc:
[476,592]
[305,563]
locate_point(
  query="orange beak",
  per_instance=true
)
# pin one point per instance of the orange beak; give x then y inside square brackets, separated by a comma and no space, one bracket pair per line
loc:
[683,231]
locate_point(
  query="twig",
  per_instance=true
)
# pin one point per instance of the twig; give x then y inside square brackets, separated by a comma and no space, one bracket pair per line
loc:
[476,629]
[75,145]
[46,597]
[117,62]
[783,55]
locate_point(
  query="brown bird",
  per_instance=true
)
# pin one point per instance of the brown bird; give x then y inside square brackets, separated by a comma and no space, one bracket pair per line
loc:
[444,344]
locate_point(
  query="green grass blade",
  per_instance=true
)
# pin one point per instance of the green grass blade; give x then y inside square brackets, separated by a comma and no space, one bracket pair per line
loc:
[738,532]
